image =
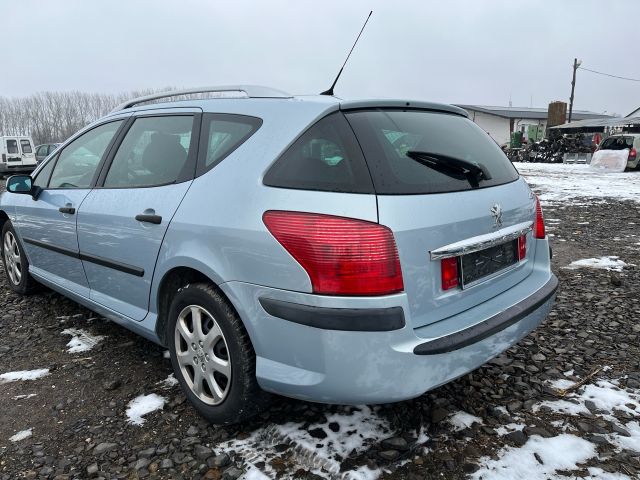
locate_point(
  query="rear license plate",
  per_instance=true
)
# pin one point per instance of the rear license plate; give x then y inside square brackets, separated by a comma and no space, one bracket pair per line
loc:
[478,265]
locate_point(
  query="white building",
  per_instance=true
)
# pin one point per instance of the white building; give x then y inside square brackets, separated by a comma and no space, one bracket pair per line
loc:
[500,122]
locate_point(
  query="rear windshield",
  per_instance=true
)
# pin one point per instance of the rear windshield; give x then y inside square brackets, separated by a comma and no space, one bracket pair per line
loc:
[617,143]
[387,135]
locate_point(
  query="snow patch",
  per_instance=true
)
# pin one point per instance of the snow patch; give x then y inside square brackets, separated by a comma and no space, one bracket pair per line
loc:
[596,473]
[348,431]
[169,382]
[628,443]
[578,184]
[142,405]
[462,420]
[563,452]
[21,435]
[508,428]
[23,375]
[25,397]
[81,340]
[603,263]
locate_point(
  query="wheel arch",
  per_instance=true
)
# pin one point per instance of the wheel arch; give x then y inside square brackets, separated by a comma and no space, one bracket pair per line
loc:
[172,281]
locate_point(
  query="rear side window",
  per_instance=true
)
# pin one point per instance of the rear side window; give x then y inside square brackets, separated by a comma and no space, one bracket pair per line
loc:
[386,136]
[617,143]
[221,135]
[26,146]
[12,146]
[326,157]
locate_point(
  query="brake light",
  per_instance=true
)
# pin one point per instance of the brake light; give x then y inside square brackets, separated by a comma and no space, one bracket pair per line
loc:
[522,247]
[4,158]
[449,273]
[343,256]
[632,155]
[538,228]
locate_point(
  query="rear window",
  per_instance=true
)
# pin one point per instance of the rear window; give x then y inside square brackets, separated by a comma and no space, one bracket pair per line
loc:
[387,135]
[326,157]
[617,143]
[12,146]
[26,146]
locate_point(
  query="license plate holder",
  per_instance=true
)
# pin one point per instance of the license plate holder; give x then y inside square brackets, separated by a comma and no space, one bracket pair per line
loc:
[478,266]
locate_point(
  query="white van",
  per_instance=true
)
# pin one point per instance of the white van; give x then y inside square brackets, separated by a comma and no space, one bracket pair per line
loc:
[16,154]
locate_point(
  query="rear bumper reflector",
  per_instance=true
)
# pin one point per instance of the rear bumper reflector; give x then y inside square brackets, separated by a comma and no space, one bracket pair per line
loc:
[346,319]
[491,326]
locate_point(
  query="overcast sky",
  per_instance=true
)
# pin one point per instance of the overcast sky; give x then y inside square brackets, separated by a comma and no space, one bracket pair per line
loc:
[474,52]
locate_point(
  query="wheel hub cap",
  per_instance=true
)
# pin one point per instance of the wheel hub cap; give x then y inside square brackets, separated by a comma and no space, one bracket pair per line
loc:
[202,354]
[12,258]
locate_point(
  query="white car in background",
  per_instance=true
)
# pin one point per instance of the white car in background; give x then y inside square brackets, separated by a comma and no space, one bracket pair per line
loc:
[17,154]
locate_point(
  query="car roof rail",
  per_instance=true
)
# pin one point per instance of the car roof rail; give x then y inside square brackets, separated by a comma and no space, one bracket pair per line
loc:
[250,91]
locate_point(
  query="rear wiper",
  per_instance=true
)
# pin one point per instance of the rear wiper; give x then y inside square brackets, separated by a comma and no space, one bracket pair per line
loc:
[454,167]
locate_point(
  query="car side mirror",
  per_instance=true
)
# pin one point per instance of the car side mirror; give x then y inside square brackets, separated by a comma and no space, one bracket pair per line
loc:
[23,184]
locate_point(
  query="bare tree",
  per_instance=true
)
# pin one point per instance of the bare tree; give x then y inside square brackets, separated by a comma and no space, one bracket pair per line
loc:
[51,117]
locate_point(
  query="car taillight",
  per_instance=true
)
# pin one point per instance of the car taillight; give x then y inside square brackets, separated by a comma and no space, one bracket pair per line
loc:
[4,158]
[538,228]
[632,155]
[343,256]
[522,247]
[449,273]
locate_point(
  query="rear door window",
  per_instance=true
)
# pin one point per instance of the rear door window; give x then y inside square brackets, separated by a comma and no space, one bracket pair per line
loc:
[25,145]
[12,147]
[326,157]
[154,152]
[387,135]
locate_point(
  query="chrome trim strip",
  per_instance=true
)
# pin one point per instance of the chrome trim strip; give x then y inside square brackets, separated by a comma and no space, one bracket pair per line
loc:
[481,242]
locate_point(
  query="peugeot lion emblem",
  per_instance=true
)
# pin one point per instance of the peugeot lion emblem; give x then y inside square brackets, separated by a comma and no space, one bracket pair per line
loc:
[496,211]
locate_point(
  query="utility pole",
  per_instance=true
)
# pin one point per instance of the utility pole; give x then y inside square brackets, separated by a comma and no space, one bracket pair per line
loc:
[576,64]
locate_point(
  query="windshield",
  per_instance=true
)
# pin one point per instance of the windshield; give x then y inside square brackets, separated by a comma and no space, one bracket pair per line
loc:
[387,136]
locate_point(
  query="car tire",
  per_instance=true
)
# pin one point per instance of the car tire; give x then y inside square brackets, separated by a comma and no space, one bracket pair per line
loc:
[14,260]
[215,363]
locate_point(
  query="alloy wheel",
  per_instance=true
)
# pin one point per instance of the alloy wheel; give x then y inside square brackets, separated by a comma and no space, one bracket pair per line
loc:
[12,259]
[202,354]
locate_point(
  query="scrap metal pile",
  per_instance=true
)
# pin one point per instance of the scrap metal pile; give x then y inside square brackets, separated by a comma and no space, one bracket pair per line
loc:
[550,150]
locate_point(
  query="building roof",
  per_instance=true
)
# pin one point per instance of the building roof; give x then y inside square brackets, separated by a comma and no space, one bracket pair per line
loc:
[527,112]
[635,113]
[600,122]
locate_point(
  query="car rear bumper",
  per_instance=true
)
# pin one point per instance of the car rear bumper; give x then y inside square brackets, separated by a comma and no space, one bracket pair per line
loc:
[9,168]
[363,363]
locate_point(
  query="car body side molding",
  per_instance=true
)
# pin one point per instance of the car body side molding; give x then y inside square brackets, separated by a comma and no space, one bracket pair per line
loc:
[105,262]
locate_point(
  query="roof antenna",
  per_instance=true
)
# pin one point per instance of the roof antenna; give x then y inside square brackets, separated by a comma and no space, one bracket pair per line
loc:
[330,91]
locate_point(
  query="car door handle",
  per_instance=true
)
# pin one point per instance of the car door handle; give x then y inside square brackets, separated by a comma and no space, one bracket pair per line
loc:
[143,217]
[69,210]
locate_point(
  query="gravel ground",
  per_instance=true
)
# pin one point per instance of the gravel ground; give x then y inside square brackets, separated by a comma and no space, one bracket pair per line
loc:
[508,419]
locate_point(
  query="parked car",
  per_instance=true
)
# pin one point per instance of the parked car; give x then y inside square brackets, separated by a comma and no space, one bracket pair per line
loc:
[334,251]
[42,151]
[16,154]
[621,141]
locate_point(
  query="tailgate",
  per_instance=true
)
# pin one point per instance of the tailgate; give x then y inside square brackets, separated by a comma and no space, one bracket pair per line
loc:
[424,223]
[443,185]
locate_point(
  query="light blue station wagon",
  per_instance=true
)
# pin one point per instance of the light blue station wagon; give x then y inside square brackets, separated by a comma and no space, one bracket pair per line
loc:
[328,250]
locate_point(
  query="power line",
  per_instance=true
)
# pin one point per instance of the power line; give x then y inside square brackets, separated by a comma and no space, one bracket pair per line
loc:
[610,75]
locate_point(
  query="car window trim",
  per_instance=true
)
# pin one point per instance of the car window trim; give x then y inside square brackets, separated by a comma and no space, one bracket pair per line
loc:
[207,118]
[100,163]
[189,169]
